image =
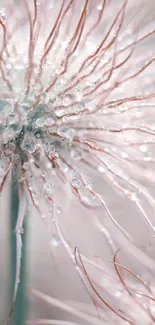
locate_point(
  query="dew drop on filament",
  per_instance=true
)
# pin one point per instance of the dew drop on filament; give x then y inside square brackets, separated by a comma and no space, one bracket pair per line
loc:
[55,242]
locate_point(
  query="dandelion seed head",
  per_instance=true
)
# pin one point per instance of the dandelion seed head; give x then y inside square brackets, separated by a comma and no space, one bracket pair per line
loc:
[77,111]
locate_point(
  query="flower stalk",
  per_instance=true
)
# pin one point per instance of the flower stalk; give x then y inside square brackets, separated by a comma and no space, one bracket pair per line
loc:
[18,307]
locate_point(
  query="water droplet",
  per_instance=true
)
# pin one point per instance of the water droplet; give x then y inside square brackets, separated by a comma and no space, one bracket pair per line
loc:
[29,144]
[48,187]
[67,101]
[42,173]
[59,69]
[49,121]
[59,112]
[99,7]
[133,196]
[3,162]
[44,98]
[21,230]
[8,66]
[63,167]
[138,295]
[51,149]
[124,155]
[88,185]
[16,157]
[55,242]
[34,194]
[101,169]
[66,132]
[48,165]
[75,181]
[118,294]
[8,134]
[2,12]
[143,148]
[6,108]
[58,210]
[40,121]
[13,119]
[79,107]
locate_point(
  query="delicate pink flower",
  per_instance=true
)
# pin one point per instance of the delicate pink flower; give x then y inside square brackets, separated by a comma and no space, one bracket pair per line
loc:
[77,117]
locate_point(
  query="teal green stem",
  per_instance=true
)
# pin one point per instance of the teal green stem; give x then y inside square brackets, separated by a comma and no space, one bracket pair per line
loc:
[19,311]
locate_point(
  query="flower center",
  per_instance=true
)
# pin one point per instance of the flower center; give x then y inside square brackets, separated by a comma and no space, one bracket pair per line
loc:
[22,128]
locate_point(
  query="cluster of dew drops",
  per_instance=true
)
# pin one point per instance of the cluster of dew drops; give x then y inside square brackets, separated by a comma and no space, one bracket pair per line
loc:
[29,130]
[40,124]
